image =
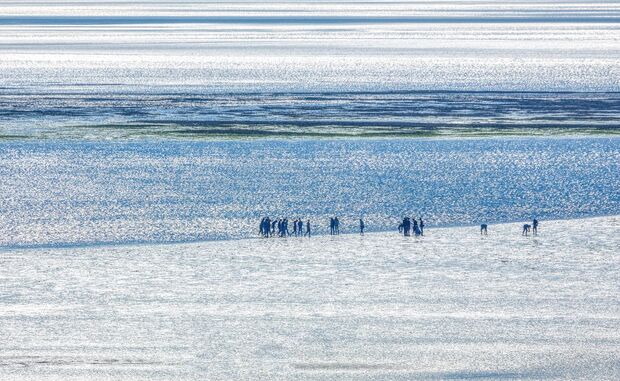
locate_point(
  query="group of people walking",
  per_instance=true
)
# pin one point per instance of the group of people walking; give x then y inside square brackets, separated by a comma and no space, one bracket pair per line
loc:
[279,227]
[411,226]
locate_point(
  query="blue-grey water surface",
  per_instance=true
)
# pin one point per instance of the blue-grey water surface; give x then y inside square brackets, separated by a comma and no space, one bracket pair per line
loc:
[201,67]
[58,193]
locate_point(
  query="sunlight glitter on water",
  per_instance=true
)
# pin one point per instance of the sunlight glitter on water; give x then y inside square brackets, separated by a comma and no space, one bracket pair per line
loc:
[59,193]
[148,63]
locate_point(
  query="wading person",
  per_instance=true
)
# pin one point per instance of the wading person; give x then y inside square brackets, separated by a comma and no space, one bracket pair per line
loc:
[362,226]
[483,229]
[406,226]
[307,228]
[264,227]
[535,227]
[416,229]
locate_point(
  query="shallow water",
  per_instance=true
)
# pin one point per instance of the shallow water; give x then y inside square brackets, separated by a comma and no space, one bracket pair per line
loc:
[299,64]
[79,78]
[450,305]
[67,193]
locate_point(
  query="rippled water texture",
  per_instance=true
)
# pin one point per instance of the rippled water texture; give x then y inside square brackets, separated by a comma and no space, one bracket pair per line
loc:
[226,66]
[82,192]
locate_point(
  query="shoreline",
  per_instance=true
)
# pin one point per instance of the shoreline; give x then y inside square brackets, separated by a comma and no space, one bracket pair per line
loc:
[174,133]
[608,133]
[429,228]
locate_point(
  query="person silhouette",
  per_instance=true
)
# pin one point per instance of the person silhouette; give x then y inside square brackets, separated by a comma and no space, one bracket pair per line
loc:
[406,226]
[362,226]
[421,226]
[535,227]
[483,228]
[307,228]
[336,225]
[295,228]
[416,229]
[332,226]
[266,227]
[526,229]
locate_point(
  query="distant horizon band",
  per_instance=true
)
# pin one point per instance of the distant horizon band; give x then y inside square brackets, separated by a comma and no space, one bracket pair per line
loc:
[144,20]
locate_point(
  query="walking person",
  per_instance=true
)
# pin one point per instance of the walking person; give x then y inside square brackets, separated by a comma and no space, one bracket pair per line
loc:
[267,227]
[261,227]
[416,229]
[421,227]
[332,225]
[483,229]
[295,228]
[362,226]
[336,225]
[535,227]
[307,228]
[406,226]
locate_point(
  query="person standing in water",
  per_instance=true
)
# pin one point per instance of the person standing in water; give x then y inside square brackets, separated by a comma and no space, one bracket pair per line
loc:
[274,223]
[336,226]
[535,227]
[406,226]
[307,228]
[416,229]
[261,227]
[483,229]
[421,227]
[362,226]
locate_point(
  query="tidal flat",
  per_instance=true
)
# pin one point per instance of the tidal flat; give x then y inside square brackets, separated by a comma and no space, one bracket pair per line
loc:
[450,305]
